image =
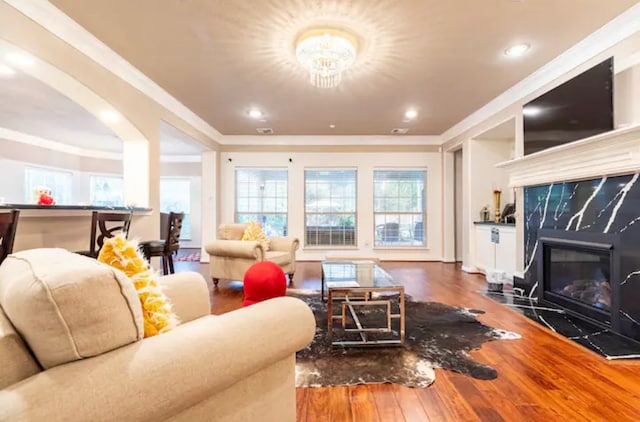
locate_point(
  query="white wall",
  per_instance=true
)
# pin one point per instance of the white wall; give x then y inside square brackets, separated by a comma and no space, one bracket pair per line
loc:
[627,97]
[12,182]
[365,164]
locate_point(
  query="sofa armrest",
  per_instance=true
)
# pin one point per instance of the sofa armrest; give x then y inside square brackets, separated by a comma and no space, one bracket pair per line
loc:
[162,376]
[188,293]
[236,248]
[284,244]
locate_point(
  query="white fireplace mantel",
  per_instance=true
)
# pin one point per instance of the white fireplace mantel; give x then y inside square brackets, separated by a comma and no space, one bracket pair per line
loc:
[607,154]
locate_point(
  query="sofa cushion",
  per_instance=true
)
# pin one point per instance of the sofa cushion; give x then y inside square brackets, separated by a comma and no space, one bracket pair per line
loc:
[68,307]
[17,362]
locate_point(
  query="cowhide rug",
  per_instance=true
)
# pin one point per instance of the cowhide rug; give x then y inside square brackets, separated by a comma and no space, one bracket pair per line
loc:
[437,336]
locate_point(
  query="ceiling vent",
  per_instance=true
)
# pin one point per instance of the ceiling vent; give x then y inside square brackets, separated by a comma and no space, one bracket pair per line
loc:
[264,131]
[399,130]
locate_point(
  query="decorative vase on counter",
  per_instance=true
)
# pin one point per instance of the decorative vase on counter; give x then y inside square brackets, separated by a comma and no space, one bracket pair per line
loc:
[496,205]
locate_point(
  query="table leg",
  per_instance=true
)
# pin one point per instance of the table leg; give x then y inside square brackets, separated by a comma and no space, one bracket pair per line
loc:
[330,316]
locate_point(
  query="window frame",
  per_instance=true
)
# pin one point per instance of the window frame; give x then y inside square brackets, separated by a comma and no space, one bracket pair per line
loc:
[235,194]
[188,180]
[105,175]
[355,213]
[425,244]
[29,190]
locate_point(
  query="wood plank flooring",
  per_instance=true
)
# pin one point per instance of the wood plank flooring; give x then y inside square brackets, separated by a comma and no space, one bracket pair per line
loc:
[542,377]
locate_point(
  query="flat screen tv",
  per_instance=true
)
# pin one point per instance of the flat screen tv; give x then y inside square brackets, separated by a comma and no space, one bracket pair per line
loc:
[577,109]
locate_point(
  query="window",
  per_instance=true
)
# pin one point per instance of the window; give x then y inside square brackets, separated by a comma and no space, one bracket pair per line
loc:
[175,196]
[60,182]
[106,191]
[399,207]
[261,195]
[330,207]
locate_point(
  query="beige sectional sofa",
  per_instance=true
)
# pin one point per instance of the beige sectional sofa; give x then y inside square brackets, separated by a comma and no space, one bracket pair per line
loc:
[71,348]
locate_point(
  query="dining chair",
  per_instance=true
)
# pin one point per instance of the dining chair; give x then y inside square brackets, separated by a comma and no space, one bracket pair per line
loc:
[8,225]
[105,225]
[168,246]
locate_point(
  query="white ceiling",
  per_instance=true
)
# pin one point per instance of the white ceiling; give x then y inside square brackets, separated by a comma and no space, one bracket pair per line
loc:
[32,107]
[444,58]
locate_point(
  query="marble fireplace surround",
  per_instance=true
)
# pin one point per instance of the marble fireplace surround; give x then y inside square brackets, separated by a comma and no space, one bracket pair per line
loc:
[588,186]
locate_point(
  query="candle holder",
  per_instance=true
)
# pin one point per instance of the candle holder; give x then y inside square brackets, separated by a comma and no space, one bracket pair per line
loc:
[496,205]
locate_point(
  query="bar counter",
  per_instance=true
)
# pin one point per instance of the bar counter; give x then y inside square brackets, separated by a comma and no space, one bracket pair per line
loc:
[69,226]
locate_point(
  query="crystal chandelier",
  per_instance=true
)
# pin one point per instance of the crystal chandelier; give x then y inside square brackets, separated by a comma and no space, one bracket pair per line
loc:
[326,53]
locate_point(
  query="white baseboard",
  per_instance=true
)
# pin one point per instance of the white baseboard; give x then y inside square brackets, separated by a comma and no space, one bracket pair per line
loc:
[471,269]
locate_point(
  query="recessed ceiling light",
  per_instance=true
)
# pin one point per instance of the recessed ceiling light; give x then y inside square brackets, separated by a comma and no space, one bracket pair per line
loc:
[109,116]
[517,50]
[254,113]
[332,126]
[6,70]
[411,113]
[20,59]
[531,111]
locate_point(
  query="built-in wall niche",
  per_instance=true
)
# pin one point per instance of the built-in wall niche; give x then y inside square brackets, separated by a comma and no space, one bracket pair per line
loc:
[491,147]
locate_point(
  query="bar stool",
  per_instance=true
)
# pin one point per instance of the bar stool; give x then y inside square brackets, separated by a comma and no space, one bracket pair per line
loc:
[8,226]
[109,224]
[167,247]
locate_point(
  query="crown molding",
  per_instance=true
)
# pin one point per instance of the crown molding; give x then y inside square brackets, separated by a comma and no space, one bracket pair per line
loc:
[37,141]
[180,159]
[616,30]
[328,140]
[58,23]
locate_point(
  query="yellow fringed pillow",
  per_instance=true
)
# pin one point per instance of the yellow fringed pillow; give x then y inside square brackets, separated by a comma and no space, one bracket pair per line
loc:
[253,231]
[124,255]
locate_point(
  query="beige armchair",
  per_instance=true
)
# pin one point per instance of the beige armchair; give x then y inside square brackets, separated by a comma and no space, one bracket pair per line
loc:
[231,257]
[239,366]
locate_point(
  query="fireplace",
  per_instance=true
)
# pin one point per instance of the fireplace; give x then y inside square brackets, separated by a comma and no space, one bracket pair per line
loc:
[580,273]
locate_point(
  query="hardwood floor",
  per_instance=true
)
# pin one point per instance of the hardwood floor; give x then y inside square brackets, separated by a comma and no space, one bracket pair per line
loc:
[542,377]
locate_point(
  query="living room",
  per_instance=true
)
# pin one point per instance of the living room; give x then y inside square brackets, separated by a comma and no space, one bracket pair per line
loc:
[415,167]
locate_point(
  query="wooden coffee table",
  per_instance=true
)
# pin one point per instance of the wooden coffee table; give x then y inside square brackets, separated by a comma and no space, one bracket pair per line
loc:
[350,285]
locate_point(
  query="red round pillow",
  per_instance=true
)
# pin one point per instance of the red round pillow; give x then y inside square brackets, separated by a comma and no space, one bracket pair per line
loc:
[263,280]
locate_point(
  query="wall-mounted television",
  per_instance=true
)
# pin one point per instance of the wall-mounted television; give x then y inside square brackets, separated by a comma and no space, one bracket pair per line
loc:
[577,109]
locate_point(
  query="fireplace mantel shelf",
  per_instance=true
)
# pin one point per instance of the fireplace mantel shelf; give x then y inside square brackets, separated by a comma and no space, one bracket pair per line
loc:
[612,153]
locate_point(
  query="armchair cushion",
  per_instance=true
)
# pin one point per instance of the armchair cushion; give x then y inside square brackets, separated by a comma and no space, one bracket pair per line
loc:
[68,307]
[231,231]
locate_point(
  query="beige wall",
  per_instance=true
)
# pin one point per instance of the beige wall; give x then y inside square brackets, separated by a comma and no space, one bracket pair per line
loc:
[364,162]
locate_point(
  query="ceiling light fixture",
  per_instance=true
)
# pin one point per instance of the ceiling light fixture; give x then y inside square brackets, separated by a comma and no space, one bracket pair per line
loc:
[411,114]
[6,70]
[517,50]
[332,126]
[326,54]
[20,59]
[254,113]
[109,116]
